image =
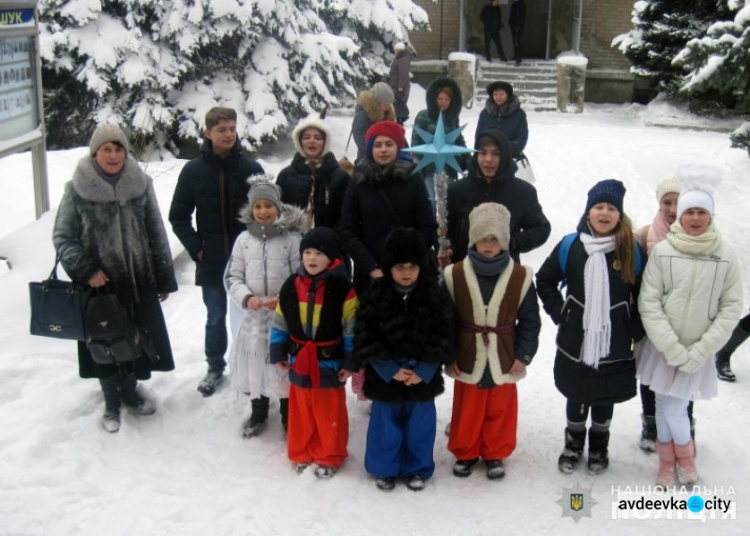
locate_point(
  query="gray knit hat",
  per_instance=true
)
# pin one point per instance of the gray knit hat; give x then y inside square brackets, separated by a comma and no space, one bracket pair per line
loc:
[107,133]
[382,93]
[490,219]
[262,188]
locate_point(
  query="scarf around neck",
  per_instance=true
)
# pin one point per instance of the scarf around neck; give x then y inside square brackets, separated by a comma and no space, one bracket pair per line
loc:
[597,326]
[704,244]
[486,266]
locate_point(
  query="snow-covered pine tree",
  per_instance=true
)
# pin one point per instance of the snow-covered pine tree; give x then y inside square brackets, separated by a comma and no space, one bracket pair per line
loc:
[720,62]
[155,67]
[661,29]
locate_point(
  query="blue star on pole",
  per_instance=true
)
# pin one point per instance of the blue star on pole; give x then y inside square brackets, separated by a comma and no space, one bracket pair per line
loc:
[439,148]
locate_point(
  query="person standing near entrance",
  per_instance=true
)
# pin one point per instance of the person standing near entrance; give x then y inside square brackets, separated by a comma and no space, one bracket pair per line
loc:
[214,186]
[516,22]
[493,22]
[399,81]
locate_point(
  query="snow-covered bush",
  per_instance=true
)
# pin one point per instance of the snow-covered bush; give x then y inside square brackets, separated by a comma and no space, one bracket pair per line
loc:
[155,67]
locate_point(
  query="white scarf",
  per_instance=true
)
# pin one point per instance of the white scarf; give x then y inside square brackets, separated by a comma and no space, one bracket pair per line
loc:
[597,326]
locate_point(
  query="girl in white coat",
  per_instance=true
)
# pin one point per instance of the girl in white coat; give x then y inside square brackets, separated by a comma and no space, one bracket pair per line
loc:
[690,300]
[263,257]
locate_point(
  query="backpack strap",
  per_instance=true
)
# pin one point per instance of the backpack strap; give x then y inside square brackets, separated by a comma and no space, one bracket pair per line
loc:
[562,255]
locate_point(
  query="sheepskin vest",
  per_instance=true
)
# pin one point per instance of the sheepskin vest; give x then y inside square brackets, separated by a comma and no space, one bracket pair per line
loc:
[487,334]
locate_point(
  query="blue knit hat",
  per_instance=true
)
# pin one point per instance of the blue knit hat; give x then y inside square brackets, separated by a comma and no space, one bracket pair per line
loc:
[609,191]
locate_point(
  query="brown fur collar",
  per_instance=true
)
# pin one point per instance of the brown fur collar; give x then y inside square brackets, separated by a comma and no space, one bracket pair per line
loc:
[372,108]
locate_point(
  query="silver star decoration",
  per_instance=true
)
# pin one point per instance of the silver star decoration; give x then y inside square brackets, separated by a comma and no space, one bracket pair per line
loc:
[439,149]
[576,502]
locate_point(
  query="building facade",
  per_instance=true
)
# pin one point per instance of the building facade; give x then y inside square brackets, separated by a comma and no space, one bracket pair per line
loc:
[552,27]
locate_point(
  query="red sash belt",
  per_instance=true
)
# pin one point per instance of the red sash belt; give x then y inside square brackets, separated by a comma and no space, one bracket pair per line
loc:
[306,362]
[504,329]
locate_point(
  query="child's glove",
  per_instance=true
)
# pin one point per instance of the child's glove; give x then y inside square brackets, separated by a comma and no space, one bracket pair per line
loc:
[694,362]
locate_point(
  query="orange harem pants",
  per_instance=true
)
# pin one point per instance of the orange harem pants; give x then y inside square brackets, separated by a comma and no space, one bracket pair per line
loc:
[484,421]
[318,426]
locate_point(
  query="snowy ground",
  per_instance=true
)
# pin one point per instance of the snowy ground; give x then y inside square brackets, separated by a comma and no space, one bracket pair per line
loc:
[187,471]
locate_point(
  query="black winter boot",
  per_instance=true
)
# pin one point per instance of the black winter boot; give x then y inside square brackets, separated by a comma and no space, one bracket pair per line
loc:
[284,410]
[111,390]
[598,454]
[648,434]
[133,399]
[723,369]
[571,454]
[257,421]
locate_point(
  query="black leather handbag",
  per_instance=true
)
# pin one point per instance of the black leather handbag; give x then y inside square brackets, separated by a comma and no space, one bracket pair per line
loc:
[111,335]
[58,307]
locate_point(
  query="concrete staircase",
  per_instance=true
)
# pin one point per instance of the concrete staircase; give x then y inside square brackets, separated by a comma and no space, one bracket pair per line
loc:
[534,81]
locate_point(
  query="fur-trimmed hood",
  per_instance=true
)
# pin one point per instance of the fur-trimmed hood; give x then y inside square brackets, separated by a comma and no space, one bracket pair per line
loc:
[291,219]
[451,114]
[88,184]
[311,122]
[372,108]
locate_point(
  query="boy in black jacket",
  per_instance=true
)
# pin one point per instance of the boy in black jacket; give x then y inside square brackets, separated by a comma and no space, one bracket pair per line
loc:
[403,334]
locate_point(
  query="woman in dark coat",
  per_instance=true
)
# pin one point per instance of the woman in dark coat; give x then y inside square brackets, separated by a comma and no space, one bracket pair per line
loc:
[109,231]
[314,181]
[443,95]
[503,112]
[383,195]
[491,178]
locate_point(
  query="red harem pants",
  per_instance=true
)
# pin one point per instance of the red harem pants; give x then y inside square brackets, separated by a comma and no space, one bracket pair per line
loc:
[484,421]
[318,426]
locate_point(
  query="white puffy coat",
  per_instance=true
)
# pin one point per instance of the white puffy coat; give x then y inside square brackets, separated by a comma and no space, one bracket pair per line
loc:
[262,259]
[690,302]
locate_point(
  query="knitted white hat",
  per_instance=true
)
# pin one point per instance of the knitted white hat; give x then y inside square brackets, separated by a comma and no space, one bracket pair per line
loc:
[311,122]
[490,219]
[668,184]
[695,198]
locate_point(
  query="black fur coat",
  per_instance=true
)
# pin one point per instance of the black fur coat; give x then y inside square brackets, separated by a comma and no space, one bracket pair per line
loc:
[391,326]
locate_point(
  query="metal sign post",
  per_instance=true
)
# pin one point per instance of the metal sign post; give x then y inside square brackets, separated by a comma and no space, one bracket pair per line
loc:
[21,108]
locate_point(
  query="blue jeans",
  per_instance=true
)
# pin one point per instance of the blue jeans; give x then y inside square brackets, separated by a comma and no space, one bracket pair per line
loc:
[215,299]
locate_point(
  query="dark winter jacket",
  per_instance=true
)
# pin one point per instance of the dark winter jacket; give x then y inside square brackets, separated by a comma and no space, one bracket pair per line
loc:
[399,78]
[427,121]
[120,232]
[509,119]
[394,330]
[366,219]
[517,18]
[214,188]
[321,344]
[529,226]
[492,18]
[331,182]
[614,380]
[366,113]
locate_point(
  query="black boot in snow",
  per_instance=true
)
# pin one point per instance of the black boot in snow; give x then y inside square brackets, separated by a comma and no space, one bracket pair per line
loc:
[648,434]
[257,421]
[598,453]
[723,369]
[284,410]
[571,454]
[133,399]
[111,390]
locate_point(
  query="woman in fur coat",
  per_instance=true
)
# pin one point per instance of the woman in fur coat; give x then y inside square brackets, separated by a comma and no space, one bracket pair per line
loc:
[109,231]
[690,301]
[263,257]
